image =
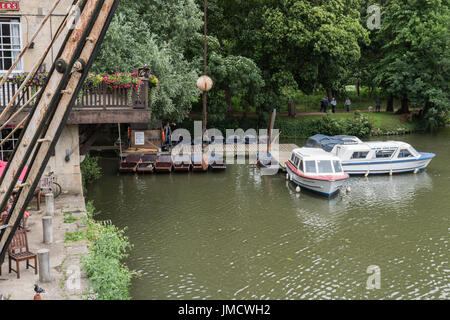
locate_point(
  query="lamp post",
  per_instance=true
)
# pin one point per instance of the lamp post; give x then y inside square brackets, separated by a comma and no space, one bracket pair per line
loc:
[204,83]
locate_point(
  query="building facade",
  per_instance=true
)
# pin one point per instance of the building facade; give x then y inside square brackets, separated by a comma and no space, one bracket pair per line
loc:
[19,20]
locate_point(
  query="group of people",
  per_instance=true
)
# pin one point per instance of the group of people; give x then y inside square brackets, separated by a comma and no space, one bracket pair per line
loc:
[324,104]
[4,215]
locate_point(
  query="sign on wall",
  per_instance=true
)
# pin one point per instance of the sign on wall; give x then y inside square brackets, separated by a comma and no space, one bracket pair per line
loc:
[139,138]
[9,5]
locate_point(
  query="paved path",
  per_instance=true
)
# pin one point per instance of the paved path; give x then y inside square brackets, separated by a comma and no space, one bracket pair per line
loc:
[64,257]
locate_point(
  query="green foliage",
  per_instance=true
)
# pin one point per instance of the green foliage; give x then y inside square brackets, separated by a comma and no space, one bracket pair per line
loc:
[90,170]
[359,125]
[69,218]
[108,276]
[436,118]
[414,55]
[160,33]
[74,236]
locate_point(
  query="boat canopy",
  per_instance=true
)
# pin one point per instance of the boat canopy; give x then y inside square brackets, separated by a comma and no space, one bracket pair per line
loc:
[327,143]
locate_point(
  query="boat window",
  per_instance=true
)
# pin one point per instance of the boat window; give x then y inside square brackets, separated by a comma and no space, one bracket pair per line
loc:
[324,166]
[300,166]
[337,166]
[404,153]
[296,160]
[384,153]
[360,155]
[292,157]
[310,166]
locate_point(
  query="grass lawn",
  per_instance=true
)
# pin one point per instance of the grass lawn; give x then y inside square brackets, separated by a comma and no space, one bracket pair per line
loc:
[383,120]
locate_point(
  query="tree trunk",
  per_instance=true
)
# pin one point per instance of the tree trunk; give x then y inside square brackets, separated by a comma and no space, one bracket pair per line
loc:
[357,88]
[390,104]
[404,108]
[329,94]
[228,100]
[292,109]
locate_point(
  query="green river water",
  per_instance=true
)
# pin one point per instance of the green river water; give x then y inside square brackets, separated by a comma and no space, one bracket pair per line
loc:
[239,235]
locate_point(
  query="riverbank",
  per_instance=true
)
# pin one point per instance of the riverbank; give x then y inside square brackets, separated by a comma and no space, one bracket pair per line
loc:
[65,263]
[305,125]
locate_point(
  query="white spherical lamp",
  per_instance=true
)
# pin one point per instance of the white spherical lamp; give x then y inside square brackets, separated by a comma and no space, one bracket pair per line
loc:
[204,83]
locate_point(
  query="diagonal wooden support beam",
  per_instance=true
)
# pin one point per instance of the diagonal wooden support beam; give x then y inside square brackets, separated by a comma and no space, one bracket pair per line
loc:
[59,118]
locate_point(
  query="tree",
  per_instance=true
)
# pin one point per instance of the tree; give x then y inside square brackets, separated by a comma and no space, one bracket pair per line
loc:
[415,53]
[296,43]
[159,33]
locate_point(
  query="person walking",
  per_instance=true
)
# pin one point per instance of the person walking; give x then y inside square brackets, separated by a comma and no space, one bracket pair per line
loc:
[378,105]
[348,103]
[333,105]
[325,104]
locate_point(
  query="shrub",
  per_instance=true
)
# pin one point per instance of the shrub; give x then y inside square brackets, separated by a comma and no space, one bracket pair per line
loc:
[109,278]
[90,170]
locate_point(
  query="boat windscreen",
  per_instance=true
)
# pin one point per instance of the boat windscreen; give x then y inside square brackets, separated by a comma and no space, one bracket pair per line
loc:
[324,166]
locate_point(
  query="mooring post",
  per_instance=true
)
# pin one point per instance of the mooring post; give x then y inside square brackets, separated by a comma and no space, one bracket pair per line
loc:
[49,204]
[44,265]
[47,226]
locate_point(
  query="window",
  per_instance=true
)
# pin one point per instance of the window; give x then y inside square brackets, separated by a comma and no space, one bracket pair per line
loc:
[8,147]
[384,153]
[404,153]
[10,43]
[296,160]
[300,166]
[360,155]
[310,167]
[337,166]
[324,166]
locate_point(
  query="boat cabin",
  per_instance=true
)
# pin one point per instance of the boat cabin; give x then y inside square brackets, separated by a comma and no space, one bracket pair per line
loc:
[316,162]
[388,150]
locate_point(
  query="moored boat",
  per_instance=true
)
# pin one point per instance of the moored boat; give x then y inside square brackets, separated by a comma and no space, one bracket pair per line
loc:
[316,170]
[147,163]
[182,163]
[379,157]
[130,163]
[164,163]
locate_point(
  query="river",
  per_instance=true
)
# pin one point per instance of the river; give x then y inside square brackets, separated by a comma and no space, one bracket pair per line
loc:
[240,235]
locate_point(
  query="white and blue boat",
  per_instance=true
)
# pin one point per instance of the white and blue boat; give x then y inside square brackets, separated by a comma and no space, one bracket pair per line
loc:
[380,157]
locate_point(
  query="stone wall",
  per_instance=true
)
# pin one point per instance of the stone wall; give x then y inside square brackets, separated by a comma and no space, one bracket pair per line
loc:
[67,171]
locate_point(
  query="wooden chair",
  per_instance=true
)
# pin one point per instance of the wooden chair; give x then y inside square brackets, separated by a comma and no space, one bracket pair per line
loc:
[18,251]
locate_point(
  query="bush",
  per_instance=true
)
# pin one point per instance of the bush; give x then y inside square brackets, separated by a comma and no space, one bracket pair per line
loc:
[359,126]
[90,170]
[109,278]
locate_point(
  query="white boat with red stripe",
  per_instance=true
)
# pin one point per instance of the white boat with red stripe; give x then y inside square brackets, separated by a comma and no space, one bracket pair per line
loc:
[316,170]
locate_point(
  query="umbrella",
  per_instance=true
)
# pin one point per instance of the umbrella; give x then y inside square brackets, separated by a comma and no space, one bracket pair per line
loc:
[3,165]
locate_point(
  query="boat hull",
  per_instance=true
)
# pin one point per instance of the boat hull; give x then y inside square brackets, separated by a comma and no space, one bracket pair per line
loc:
[384,167]
[327,188]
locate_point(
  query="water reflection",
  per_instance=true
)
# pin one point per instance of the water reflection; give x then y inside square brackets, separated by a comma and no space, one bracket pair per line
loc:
[237,234]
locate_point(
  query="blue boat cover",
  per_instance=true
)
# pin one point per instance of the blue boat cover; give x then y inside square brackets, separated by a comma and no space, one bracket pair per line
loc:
[327,143]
